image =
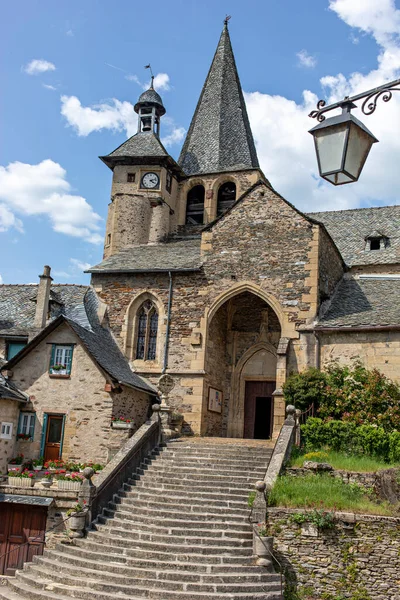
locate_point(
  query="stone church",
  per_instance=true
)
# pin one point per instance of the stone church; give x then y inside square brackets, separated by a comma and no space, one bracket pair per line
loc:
[211,276]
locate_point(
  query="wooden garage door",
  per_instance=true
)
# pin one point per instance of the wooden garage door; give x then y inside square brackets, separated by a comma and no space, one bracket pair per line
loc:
[22,529]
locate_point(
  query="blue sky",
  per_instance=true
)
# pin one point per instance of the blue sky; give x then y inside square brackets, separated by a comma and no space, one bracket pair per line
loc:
[58,115]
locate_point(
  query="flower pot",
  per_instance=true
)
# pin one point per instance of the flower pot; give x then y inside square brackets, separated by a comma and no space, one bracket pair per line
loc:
[38,468]
[59,372]
[63,484]
[46,483]
[78,521]
[24,482]
[121,425]
[262,546]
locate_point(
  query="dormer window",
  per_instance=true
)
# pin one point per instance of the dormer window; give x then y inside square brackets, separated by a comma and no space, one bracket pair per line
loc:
[376,241]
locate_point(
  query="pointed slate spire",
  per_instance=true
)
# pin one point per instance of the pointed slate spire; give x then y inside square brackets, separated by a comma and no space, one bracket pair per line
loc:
[219,137]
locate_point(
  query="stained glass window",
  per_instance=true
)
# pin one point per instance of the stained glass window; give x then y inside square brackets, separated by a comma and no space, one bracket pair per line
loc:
[147,332]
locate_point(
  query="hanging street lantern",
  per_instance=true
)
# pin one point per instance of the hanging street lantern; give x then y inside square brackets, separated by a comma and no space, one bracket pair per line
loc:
[342,143]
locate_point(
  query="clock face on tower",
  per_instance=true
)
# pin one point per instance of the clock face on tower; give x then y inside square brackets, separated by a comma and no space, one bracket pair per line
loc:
[150,181]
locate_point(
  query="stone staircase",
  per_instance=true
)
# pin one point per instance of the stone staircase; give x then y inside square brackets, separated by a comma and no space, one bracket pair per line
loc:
[178,530]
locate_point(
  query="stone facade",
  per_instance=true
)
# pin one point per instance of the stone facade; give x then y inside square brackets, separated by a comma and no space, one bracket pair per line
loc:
[362,561]
[82,398]
[9,413]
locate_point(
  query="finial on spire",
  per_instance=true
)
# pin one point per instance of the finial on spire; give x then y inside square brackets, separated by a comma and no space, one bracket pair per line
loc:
[226,20]
[152,76]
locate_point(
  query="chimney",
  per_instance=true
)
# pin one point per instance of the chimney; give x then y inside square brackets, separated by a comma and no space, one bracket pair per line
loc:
[43,297]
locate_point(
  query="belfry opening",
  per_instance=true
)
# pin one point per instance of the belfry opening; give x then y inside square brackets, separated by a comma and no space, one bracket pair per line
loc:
[241,368]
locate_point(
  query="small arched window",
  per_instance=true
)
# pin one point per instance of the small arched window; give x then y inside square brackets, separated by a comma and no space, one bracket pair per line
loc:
[226,197]
[147,330]
[195,205]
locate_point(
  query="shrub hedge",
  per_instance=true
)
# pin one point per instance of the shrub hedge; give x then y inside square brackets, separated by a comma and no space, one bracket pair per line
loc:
[347,436]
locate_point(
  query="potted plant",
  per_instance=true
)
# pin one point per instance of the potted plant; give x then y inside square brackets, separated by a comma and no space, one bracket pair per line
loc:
[77,516]
[37,463]
[16,462]
[97,467]
[25,437]
[21,478]
[53,465]
[47,480]
[122,423]
[68,481]
[59,369]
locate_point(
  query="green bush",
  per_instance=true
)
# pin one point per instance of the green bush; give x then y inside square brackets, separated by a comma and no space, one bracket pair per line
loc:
[394,447]
[347,393]
[346,436]
[303,389]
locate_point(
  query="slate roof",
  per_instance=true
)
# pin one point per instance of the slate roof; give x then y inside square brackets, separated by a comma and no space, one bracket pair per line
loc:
[350,228]
[219,136]
[363,302]
[18,304]
[183,255]
[9,391]
[79,309]
[142,144]
[150,96]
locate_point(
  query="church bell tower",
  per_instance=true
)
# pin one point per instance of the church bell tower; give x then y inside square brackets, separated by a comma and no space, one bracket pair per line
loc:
[145,183]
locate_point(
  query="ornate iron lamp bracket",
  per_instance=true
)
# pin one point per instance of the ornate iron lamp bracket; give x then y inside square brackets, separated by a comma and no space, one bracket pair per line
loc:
[370,97]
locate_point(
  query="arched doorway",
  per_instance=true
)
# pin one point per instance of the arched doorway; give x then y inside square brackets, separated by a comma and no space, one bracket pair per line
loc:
[241,365]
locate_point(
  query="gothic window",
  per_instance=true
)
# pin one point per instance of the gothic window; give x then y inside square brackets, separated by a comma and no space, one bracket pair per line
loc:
[226,197]
[147,331]
[195,205]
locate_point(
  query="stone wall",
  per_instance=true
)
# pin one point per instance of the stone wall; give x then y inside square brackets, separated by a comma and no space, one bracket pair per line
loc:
[331,266]
[82,398]
[362,563]
[374,349]
[9,413]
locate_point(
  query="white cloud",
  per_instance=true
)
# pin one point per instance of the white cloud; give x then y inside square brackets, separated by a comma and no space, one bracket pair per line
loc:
[62,274]
[79,264]
[49,87]
[175,137]
[306,60]
[115,116]
[280,125]
[42,189]
[37,66]
[1,279]
[161,80]
[69,33]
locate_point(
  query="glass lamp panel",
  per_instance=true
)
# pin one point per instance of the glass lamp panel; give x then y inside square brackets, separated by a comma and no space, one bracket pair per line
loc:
[358,147]
[330,145]
[338,178]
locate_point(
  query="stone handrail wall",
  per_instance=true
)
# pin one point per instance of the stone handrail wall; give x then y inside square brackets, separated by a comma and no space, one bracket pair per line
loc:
[124,464]
[282,448]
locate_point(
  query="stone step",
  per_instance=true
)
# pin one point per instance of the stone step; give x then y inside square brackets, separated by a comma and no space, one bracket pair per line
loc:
[136,520]
[18,590]
[240,531]
[210,481]
[157,538]
[203,470]
[82,553]
[196,476]
[212,499]
[199,573]
[168,554]
[85,587]
[164,483]
[196,460]
[172,510]
[170,580]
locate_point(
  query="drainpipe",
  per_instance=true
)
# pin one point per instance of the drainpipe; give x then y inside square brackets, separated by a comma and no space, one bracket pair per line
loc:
[166,347]
[317,351]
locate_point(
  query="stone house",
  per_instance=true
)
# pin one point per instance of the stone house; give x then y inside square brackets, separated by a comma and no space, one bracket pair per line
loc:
[65,384]
[211,276]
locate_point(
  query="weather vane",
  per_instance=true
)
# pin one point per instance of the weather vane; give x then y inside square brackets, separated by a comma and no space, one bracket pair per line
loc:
[227,18]
[151,73]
